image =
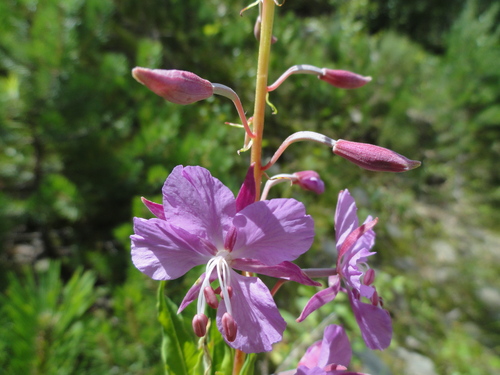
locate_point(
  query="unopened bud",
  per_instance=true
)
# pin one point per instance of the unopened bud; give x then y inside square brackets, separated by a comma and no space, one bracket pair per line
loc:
[373,158]
[176,86]
[199,323]
[229,326]
[343,78]
[309,180]
[210,297]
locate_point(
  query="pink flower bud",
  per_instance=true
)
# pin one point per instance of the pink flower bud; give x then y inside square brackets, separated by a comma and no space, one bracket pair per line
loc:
[176,86]
[373,158]
[199,324]
[310,180]
[229,326]
[343,79]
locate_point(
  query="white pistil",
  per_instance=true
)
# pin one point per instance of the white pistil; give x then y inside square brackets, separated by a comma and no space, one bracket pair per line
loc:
[224,278]
[218,262]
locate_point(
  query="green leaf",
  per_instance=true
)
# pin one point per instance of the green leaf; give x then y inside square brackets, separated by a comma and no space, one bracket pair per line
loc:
[249,365]
[222,355]
[179,350]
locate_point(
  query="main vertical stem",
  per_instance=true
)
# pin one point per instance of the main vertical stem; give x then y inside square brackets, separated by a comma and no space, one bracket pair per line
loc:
[266,34]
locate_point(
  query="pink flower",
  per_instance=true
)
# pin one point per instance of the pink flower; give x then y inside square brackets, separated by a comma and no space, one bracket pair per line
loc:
[330,356]
[201,223]
[353,245]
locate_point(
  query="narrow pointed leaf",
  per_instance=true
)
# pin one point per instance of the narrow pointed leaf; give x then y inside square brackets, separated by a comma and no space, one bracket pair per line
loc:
[179,350]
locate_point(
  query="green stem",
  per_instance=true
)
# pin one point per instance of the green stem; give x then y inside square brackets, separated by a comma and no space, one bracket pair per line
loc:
[266,34]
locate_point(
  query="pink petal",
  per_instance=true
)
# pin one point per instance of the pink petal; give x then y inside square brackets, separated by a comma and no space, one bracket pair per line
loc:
[335,347]
[346,219]
[199,203]
[321,298]
[258,320]
[303,370]
[192,293]
[374,322]
[273,231]
[284,270]
[353,237]
[164,252]
[311,357]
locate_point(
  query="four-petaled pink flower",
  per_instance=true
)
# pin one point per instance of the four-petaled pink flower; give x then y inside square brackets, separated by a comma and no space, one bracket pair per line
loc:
[353,245]
[201,223]
[329,356]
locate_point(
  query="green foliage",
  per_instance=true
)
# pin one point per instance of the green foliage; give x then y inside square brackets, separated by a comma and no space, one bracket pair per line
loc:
[179,351]
[43,322]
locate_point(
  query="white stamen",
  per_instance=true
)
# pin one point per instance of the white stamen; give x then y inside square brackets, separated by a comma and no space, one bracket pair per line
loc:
[218,262]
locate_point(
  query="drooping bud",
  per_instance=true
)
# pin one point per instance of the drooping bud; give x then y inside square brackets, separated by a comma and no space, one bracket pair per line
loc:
[199,323]
[229,326]
[210,297]
[176,86]
[373,158]
[310,180]
[343,78]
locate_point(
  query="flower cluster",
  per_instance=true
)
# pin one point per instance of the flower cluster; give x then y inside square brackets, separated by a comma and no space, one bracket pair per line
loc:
[329,356]
[201,223]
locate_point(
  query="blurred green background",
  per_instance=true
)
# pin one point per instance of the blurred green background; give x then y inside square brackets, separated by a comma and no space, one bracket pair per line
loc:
[81,142]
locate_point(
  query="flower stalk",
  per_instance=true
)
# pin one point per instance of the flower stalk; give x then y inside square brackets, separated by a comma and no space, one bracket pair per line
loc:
[266,36]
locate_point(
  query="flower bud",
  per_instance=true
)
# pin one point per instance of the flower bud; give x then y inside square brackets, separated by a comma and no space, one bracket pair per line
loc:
[176,86]
[343,78]
[373,158]
[309,180]
[199,324]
